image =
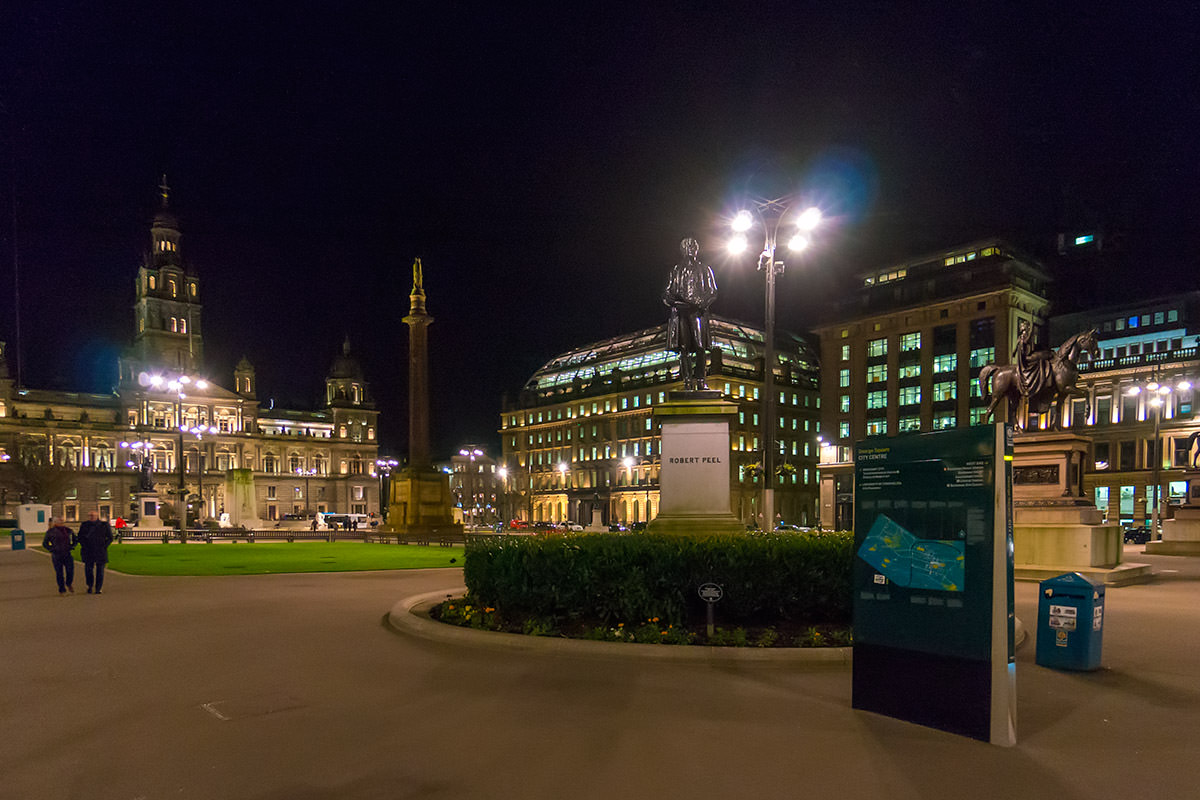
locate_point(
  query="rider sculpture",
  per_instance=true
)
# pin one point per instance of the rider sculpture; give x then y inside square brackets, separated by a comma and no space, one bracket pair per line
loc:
[1042,379]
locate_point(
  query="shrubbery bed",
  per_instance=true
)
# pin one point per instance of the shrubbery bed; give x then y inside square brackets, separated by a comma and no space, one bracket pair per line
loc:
[610,580]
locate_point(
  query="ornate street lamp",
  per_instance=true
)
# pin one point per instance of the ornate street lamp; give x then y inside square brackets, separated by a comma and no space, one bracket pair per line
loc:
[771,216]
[1157,393]
[384,467]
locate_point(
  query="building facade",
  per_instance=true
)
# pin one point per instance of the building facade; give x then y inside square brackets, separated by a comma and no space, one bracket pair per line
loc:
[1139,402]
[904,351]
[165,409]
[582,435]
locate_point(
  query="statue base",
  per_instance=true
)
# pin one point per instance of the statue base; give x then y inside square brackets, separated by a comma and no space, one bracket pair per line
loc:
[1056,530]
[420,504]
[147,504]
[695,472]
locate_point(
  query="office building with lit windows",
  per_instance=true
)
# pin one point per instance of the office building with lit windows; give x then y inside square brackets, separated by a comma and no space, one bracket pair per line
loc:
[166,408]
[902,353]
[582,434]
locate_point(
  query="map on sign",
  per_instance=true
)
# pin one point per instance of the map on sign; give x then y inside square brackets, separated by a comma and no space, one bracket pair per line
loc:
[907,560]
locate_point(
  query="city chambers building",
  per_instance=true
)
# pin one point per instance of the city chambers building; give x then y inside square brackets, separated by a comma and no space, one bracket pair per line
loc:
[582,435]
[166,409]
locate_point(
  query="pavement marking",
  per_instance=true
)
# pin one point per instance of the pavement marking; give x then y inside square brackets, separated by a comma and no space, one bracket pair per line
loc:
[253,706]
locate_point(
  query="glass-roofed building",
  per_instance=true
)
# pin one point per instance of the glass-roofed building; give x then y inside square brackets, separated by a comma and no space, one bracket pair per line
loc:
[582,435]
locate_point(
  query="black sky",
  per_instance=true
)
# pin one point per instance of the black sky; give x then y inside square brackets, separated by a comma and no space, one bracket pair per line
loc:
[545,161]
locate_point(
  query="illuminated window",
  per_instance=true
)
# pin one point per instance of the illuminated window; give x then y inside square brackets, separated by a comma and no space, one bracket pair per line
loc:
[845,352]
[877,399]
[845,403]
[877,373]
[171,287]
[1085,239]
[945,363]
[982,355]
[182,325]
[908,424]
[910,395]
[877,347]
[910,370]
[910,341]
[174,325]
[946,390]
[153,282]
[944,420]
[843,429]
[876,427]
[844,378]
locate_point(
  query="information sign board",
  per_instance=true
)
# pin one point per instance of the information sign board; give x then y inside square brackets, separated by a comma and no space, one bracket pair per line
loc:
[933,580]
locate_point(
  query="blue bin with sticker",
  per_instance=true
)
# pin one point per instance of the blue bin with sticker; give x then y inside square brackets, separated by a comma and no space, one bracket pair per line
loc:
[18,539]
[1070,629]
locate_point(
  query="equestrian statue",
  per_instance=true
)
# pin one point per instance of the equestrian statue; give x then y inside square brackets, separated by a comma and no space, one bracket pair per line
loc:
[1044,380]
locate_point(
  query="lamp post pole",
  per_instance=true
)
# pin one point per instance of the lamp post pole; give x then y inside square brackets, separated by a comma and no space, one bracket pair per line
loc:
[770,214]
[384,467]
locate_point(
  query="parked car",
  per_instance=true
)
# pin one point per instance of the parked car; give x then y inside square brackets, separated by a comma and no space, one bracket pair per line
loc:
[518,525]
[1139,534]
[572,526]
[616,527]
[638,527]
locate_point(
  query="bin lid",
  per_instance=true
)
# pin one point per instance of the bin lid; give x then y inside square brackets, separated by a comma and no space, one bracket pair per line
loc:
[1072,583]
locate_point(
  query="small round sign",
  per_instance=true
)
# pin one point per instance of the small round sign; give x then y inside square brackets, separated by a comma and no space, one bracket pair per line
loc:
[710,592]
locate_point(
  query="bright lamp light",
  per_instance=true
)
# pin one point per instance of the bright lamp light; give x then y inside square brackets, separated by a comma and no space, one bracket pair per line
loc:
[742,221]
[798,242]
[737,244]
[810,219]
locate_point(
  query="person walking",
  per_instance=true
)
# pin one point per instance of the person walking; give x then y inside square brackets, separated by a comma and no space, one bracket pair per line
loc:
[60,541]
[95,535]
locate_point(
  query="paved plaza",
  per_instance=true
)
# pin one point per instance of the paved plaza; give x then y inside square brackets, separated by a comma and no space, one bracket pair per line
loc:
[292,687]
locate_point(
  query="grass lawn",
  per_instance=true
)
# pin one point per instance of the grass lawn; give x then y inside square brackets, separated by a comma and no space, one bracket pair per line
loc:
[264,558]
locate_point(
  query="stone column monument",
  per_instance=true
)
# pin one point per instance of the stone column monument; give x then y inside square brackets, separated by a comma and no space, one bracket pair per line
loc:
[420,500]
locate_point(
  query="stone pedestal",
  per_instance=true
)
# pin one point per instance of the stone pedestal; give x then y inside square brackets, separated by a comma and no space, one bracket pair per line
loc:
[1181,534]
[420,504]
[240,502]
[1055,529]
[695,466]
[147,504]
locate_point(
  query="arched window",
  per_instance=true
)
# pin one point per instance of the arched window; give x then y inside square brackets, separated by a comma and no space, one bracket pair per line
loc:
[153,283]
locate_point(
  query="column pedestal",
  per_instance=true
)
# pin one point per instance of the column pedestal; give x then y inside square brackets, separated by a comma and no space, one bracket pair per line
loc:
[695,466]
[420,504]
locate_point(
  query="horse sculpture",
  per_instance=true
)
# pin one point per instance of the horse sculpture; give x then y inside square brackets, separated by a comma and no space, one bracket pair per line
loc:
[1051,393]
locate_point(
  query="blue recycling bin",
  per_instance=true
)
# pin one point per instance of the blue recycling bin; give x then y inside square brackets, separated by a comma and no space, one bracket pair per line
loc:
[1070,628]
[18,539]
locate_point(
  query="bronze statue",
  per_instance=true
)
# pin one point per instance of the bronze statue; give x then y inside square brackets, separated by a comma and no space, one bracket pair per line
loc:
[145,475]
[1044,380]
[690,290]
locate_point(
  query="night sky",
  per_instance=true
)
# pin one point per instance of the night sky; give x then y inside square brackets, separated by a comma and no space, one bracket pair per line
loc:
[544,162]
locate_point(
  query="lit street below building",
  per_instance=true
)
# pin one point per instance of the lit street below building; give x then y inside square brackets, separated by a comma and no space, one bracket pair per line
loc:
[291,686]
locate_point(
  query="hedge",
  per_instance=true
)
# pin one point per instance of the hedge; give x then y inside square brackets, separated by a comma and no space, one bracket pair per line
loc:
[611,578]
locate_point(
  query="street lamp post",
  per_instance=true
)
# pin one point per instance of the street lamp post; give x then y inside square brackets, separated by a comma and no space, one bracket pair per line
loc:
[384,467]
[1158,394]
[469,481]
[306,473]
[198,431]
[770,215]
[629,462]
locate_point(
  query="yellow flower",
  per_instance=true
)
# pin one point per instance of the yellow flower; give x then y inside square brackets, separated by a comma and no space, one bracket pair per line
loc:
[655,619]
[489,609]
[620,624]
[451,608]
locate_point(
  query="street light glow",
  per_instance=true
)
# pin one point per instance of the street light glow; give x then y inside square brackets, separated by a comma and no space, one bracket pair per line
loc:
[742,221]
[737,244]
[798,242]
[810,219]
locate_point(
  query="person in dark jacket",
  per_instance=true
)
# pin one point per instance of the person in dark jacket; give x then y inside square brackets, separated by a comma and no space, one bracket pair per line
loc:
[95,535]
[60,541]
